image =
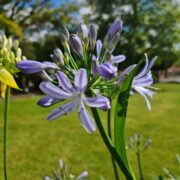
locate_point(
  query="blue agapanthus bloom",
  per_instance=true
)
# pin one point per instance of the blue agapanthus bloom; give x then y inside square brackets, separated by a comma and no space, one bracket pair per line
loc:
[78,70]
[75,96]
[143,80]
[105,66]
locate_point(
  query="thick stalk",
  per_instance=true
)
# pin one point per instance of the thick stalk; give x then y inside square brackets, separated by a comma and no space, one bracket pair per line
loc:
[109,133]
[110,146]
[6,107]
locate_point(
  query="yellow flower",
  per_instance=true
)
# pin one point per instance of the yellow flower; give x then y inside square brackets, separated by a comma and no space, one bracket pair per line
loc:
[6,79]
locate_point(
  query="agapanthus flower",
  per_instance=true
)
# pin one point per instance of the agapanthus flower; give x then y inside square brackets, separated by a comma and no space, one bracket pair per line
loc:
[143,80]
[65,173]
[107,67]
[75,94]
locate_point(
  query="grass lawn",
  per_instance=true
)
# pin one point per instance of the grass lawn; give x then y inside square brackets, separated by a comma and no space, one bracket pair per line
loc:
[35,145]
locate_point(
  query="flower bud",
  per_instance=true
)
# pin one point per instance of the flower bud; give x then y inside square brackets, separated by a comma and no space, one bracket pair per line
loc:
[19,53]
[111,43]
[58,57]
[24,58]
[4,39]
[64,42]
[112,37]
[12,56]
[63,39]
[107,56]
[76,45]
[65,32]
[83,31]
[92,36]
[82,175]
[60,164]
[16,44]
[9,44]
[115,28]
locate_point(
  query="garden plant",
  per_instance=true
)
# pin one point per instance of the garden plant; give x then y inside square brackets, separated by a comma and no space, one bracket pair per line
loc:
[85,76]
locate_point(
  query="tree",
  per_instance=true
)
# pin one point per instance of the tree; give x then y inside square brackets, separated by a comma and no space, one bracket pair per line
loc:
[149,26]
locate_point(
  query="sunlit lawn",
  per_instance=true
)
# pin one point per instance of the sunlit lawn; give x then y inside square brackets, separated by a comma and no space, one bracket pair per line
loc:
[35,145]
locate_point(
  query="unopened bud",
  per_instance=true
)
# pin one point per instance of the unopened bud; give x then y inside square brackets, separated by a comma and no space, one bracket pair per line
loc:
[19,53]
[92,36]
[24,58]
[58,57]
[16,44]
[83,31]
[107,56]
[12,56]
[65,32]
[9,44]
[4,41]
[64,42]
[76,45]
[111,43]
[60,164]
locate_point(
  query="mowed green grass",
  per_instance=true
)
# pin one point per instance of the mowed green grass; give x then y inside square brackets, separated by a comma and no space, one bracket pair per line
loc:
[35,145]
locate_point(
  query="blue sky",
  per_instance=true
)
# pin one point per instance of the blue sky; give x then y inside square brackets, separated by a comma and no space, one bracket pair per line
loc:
[58,2]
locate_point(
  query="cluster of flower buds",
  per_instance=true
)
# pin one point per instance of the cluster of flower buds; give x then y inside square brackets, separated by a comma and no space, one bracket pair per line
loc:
[136,145]
[85,73]
[10,54]
[64,174]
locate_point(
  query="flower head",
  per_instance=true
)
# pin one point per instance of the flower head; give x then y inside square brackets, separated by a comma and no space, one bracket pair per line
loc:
[10,54]
[75,94]
[107,69]
[143,80]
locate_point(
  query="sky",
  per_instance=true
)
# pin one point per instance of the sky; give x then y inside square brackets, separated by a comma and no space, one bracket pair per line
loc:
[58,2]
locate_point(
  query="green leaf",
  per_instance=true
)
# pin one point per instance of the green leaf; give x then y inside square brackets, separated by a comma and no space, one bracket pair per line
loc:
[120,117]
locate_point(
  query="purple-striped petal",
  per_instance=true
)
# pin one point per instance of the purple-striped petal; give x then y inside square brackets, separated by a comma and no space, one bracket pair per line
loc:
[124,74]
[85,119]
[82,175]
[47,101]
[80,80]
[29,66]
[94,58]
[118,59]
[114,28]
[98,47]
[95,69]
[144,81]
[107,70]
[62,110]
[144,70]
[52,90]
[64,81]
[143,92]
[98,101]
[151,63]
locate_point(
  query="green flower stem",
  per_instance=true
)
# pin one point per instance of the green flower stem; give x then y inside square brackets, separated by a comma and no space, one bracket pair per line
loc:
[139,163]
[109,133]
[110,146]
[6,108]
